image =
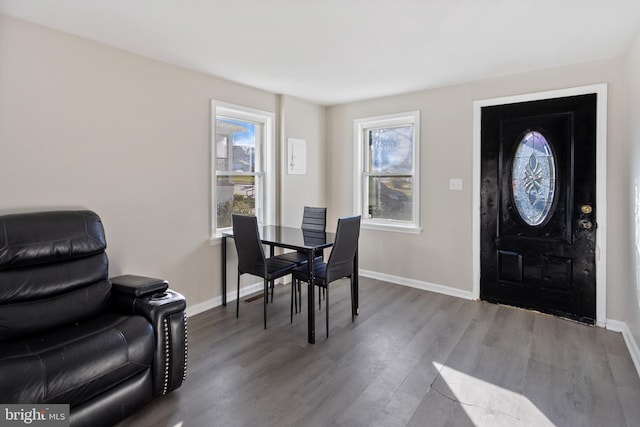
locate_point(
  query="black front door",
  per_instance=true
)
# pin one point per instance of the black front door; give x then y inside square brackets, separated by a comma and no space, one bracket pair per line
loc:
[538,212]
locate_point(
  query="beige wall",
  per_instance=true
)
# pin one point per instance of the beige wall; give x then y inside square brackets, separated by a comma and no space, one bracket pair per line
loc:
[632,293]
[442,254]
[302,120]
[85,125]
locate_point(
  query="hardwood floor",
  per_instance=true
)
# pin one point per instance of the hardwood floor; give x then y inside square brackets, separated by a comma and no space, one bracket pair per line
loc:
[411,358]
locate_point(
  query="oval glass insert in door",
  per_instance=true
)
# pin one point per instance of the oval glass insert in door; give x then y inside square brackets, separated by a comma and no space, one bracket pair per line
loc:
[533,178]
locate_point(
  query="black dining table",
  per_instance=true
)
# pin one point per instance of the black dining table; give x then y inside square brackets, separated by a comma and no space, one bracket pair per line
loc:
[298,239]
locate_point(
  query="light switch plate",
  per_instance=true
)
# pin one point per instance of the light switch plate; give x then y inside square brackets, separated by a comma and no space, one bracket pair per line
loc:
[455,184]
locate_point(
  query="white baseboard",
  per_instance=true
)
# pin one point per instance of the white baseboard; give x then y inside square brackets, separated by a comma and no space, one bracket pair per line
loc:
[615,325]
[192,310]
[418,284]
[632,345]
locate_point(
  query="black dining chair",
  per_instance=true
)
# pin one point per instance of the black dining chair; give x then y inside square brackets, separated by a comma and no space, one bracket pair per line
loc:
[340,263]
[251,258]
[314,223]
[313,220]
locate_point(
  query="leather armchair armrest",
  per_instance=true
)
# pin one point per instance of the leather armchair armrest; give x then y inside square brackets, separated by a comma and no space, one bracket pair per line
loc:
[165,310]
[138,285]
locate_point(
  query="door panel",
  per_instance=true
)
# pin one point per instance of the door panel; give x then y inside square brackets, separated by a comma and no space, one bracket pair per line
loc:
[538,216]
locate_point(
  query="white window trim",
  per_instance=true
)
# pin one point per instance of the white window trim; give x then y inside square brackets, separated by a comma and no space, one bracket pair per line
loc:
[411,117]
[267,119]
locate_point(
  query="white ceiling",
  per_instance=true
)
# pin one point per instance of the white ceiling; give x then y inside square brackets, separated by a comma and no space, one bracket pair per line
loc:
[336,51]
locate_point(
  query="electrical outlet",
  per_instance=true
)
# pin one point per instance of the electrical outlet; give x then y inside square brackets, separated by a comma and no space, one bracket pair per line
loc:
[455,184]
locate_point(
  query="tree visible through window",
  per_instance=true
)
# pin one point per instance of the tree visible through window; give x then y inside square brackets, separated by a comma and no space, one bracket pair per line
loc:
[388,179]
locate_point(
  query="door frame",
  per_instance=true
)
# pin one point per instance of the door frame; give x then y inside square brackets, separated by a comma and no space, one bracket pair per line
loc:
[601,183]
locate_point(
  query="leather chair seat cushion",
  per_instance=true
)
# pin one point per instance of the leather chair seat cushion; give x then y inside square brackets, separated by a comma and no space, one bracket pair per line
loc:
[77,362]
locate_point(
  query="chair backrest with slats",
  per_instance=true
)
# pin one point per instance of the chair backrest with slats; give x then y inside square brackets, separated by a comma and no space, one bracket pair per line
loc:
[344,249]
[314,218]
[251,258]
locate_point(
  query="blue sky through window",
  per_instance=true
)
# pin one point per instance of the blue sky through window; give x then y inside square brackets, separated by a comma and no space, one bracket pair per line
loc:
[246,138]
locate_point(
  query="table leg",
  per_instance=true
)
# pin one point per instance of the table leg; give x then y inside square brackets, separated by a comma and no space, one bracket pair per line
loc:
[272,283]
[224,270]
[311,309]
[355,283]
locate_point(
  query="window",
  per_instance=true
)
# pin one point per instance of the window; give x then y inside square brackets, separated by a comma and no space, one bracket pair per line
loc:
[387,181]
[242,165]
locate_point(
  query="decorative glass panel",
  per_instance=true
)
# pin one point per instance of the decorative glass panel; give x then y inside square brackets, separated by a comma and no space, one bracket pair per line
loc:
[534,178]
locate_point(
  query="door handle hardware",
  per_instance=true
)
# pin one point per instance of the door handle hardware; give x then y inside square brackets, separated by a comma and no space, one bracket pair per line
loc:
[586,209]
[586,225]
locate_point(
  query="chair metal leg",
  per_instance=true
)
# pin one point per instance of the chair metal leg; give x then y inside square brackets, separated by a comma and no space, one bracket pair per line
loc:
[326,308]
[272,283]
[353,301]
[266,296]
[294,294]
[319,299]
[238,296]
[293,297]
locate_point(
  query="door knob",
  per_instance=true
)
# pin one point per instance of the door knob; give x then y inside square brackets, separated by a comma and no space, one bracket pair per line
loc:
[586,209]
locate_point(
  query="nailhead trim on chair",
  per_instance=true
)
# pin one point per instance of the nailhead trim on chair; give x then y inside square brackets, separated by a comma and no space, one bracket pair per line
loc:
[166,355]
[186,347]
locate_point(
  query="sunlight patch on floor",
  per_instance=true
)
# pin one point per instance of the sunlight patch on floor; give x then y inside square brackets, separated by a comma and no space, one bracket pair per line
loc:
[486,403]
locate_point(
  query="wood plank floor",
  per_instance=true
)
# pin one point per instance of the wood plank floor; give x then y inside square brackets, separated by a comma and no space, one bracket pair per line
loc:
[412,358]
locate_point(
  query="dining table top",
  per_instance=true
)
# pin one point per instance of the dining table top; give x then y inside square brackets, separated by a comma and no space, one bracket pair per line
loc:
[292,237]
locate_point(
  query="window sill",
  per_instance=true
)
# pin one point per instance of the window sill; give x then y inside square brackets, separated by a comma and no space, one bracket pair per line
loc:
[410,229]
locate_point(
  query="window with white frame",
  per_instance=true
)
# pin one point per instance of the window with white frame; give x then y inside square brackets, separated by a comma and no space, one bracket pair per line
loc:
[387,181]
[242,164]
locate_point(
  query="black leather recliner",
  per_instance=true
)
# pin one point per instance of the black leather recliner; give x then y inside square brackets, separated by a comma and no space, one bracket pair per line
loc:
[70,335]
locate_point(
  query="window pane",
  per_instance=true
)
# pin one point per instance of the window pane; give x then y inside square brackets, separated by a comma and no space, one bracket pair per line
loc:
[533,178]
[390,198]
[391,150]
[234,194]
[236,145]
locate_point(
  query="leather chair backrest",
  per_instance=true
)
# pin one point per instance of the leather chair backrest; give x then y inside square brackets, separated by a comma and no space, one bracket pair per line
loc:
[314,218]
[53,270]
[251,258]
[344,248]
